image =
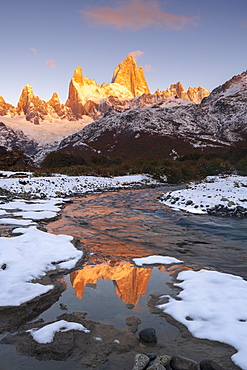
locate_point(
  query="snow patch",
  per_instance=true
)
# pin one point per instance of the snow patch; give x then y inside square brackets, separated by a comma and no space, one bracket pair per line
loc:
[62,185]
[29,256]
[212,305]
[199,198]
[151,260]
[46,334]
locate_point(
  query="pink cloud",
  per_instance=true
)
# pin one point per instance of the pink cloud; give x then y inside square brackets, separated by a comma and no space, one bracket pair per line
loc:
[148,68]
[136,54]
[137,14]
[34,50]
[50,64]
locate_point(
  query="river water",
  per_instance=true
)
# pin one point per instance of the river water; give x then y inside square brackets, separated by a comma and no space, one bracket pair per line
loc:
[115,227]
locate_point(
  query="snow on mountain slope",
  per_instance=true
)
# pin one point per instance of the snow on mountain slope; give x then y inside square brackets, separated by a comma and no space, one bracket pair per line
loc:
[220,119]
[10,139]
[46,133]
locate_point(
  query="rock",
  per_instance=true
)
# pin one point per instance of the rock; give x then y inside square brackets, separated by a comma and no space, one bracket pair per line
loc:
[63,306]
[140,361]
[210,365]
[152,356]
[156,366]
[163,360]
[132,322]
[130,306]
[129,75]
[224,199]
[183,363]
[189,202]
[148,335]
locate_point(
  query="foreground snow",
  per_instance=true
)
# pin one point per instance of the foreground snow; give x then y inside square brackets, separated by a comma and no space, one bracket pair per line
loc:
[23,212]
[212,305]
[151,260]
[29,256]
[62,185]
[229,192]
[46,334]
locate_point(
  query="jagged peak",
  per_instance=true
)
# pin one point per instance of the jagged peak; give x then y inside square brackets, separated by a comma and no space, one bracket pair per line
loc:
[54,99]
[128,62]
[27,90]
[78,76]
[129,75]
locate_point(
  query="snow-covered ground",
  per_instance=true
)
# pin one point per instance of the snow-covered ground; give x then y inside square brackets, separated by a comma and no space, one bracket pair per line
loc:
[222,192]
[31,253]
[212,305]
[155,259]
[46,334]
[62,185]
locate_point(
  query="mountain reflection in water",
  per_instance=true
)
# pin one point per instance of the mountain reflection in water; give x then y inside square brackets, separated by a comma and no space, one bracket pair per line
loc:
[129,282]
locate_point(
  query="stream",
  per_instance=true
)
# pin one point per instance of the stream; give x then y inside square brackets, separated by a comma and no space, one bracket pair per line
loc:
[114,228]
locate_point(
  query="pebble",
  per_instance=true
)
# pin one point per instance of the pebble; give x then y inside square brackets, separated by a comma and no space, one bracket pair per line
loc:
[148,335]
[151,356]
[183,363]
[156,366]
[163,360]
[140,361]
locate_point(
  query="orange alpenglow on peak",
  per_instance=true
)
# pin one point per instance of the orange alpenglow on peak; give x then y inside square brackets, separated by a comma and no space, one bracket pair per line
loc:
[129,75]
[195,94]
[78,77]
[54,101]
[130,282]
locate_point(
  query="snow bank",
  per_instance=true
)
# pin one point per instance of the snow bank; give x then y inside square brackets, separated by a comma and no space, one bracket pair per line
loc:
[151,260]
[46,334]
[22,212]
[29,256]
[227,194]
[62,185]
[212,305]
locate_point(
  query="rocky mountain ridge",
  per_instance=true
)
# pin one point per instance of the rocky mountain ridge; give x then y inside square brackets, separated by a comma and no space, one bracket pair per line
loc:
[170,126]
[86,97]
[10,139]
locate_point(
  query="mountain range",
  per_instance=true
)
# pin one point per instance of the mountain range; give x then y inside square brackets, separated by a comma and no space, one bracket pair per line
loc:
[86,97]
[124,120]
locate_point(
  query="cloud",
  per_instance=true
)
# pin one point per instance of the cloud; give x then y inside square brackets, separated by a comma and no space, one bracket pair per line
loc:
[50,64]
[34,50]
[136,54]
[136,15]
[148,68]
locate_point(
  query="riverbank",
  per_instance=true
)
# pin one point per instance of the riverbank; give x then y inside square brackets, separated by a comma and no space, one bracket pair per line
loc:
[216,195]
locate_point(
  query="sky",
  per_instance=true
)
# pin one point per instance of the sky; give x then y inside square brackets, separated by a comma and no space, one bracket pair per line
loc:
[200,43]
